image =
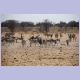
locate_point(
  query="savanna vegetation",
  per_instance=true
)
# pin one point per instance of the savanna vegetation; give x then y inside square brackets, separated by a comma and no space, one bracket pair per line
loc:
[45,26]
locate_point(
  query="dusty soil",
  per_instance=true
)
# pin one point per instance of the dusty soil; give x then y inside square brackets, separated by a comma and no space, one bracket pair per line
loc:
[16,55]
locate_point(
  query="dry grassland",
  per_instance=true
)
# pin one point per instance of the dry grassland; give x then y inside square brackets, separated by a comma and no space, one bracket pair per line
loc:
[16,55]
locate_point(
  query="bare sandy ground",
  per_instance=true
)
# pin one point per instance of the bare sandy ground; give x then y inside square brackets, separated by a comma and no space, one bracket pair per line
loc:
[16,55]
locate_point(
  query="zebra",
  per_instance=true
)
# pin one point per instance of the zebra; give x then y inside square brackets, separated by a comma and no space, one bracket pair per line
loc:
[37,40]
[58,40]
[9,34]
[10,41]
[52,41]
[36,37]
[55,41]
[23,42]
[42,41]
[67,42]
[5,39]
[18,38]
[70,36]
[61,35]
[21,36]
[32,37]
[33,41]
[49,34]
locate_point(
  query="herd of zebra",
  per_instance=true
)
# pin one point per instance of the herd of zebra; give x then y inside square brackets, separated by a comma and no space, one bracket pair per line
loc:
[37,39]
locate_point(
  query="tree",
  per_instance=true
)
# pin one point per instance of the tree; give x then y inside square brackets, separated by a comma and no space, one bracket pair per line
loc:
[73,24]
[4,24]
[23,24]
[77,24]
[11,24]
[62,24]
[44,26]
[47,24]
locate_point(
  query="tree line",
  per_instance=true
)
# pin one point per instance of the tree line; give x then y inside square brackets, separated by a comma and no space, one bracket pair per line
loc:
[45,25]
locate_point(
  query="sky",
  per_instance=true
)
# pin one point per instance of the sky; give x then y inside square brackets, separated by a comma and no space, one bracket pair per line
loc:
[40,17]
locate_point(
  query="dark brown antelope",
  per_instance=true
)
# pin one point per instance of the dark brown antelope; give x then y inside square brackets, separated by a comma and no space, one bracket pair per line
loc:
[74,37]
